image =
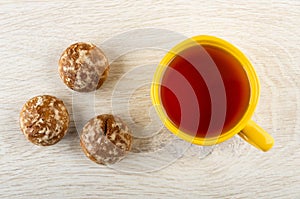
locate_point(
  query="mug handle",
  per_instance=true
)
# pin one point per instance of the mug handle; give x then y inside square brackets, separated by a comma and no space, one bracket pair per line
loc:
[256,136]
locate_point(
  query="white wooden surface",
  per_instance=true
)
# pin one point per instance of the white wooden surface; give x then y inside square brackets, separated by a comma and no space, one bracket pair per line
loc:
[34,33]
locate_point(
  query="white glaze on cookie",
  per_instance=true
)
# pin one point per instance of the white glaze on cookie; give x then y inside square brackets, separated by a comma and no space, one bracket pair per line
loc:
[105,139]
[83,67]
[44,120]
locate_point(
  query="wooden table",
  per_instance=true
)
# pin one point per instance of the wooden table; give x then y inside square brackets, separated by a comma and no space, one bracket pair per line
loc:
[135,36]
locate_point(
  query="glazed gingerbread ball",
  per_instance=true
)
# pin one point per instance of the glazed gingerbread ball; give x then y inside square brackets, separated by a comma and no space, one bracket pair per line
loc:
[44,120]
[83,67]
[106,139]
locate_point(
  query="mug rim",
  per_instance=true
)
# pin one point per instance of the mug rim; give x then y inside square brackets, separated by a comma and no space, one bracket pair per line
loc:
[232,50]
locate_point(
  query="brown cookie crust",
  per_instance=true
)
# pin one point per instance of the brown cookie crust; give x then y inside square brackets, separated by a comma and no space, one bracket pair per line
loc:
[44,120]
[106,139]
[83,67]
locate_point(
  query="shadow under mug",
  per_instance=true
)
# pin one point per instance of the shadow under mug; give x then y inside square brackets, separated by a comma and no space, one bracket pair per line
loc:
[245,127]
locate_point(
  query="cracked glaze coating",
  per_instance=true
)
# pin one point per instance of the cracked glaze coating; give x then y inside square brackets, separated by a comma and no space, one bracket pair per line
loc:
[83,67]
[44,120]
[106,139]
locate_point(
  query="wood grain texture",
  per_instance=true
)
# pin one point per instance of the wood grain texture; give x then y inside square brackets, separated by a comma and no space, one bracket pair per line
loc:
[33,34]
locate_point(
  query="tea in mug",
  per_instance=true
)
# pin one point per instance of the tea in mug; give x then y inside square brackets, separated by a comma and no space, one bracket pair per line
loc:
[189,64]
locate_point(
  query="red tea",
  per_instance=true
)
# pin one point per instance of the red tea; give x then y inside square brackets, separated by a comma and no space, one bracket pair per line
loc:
[186,78]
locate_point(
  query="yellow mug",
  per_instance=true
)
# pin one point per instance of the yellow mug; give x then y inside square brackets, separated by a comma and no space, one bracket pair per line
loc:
[245,127]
